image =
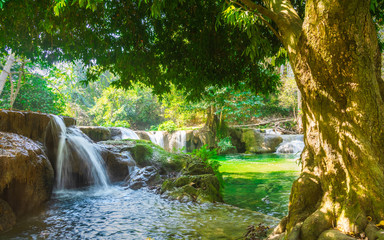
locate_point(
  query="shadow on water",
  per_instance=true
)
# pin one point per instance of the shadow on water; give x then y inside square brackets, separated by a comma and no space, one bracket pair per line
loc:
[259,182]
[267,193]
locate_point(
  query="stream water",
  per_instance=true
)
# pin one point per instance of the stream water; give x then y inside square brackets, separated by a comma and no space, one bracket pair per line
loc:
[259,182]
[252,182]
[120,213]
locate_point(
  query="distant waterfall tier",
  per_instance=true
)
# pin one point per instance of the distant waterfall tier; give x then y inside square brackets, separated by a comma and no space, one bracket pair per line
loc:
[157,138]
[291,144]
[124,133]
[181,141]
[78,160]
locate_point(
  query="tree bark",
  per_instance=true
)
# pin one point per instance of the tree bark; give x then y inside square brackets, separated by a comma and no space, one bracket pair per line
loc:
[6,71]
[337,66]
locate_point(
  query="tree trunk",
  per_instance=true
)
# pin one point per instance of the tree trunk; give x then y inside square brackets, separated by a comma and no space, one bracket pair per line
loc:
[337,68]
[6,71]
[212,122]
[299,113]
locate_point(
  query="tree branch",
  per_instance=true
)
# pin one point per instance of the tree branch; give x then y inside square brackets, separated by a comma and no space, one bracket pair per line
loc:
[253,7]
[282,13]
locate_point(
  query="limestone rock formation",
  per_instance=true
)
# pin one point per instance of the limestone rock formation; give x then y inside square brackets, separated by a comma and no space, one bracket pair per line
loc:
[32,125]
[118,164]
[96,133]
[7,216]
[26,175]
[253,141]
[143,177]
[196,183]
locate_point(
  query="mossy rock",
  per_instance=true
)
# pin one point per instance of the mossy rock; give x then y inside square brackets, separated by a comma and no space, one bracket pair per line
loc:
[256,142]
[96,133]
[198,188]
[145,153]
[196,167]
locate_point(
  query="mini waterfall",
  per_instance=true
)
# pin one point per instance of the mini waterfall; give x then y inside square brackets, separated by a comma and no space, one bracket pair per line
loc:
[79,161]
[157,138]
[291,144]
[181,141]
[270,131]
[127,133]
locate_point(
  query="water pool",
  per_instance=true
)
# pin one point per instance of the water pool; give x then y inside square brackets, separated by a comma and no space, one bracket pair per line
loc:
[119,213]
[252,183]
[259,182]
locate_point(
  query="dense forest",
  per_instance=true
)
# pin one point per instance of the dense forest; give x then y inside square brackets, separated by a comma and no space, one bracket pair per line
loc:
[163,65]
[63,89]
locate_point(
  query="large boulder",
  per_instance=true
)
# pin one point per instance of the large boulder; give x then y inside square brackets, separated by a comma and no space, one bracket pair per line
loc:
[196,182]
[7,216]
[256,142]
[96,133]
[143,135]
[32,125]
[118,164]
[145,153]
[26,175]
[143,177]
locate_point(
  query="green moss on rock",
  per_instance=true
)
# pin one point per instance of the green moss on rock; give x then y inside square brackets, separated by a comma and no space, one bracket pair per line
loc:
[197,183]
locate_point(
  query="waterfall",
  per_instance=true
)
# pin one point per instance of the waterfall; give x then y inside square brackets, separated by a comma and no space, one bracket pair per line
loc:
[127,133]
[157,138]
[78,159]
[291,144]
[181,140]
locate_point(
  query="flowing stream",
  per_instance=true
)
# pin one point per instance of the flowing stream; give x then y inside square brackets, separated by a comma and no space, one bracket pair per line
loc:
[252,183]
[119,213]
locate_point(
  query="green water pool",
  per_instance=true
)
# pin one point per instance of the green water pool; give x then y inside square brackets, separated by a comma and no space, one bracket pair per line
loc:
[259,182]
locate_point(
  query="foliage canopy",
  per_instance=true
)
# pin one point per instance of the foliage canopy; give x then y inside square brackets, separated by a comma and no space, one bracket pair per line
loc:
[185,43]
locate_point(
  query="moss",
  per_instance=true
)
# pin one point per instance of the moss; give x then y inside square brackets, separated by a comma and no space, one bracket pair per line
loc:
[251,140]
[203,187]
[145,153]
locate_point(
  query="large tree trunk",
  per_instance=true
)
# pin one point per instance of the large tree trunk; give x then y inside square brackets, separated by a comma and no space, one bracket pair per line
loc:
[337,67]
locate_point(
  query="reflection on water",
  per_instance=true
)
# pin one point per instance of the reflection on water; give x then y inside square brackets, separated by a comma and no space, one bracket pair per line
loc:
[132,214]
[259,182]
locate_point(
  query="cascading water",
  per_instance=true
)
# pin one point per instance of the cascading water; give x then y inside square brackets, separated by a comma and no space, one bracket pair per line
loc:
[181,141]
[79,161]
[127,133]
[157,138]
[291,144]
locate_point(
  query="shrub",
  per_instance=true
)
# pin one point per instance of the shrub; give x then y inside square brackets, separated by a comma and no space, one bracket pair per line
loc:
[168,126]
[225,144]
[207,156]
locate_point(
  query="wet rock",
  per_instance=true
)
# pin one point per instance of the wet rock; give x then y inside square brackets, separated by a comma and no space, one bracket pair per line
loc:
[26,175]
[197,183]
[256,142]
[7,216]
[143,135]
[115,133]
[144,177]
[197,188]
[145,153]
[29,124]
[96,133]
[117,164]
